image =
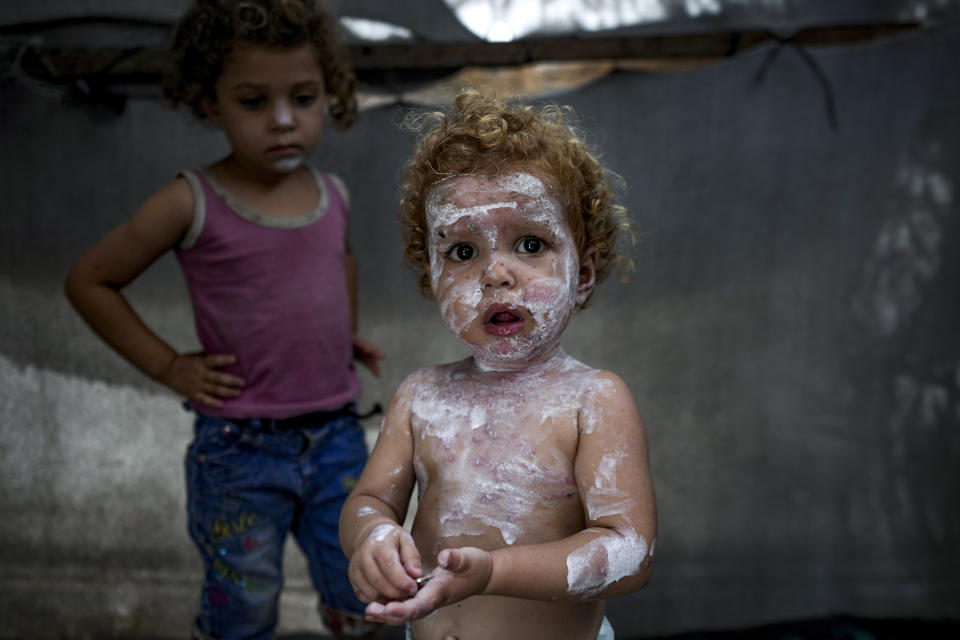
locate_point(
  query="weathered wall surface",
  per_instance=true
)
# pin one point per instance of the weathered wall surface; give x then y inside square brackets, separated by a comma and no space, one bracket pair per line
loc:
[790,337]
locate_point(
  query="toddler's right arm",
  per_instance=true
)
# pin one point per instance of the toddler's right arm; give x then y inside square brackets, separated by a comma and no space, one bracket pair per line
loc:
[94,288]
[384,561]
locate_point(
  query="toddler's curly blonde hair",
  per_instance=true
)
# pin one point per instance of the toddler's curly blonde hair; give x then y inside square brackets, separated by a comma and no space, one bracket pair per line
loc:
[211,29]
[484,135]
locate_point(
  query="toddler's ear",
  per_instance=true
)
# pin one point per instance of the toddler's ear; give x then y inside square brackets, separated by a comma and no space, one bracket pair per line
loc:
[588,274]
[212,110]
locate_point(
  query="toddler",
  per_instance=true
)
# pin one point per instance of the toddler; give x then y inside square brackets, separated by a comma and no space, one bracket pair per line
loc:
[262,241]
[535,495]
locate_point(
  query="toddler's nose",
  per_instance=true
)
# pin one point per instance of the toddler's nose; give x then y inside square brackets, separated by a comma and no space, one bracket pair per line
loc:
[282,116]
[497,274]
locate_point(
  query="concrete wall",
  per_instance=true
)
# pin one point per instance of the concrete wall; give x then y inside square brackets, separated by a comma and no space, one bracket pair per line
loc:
[790,337]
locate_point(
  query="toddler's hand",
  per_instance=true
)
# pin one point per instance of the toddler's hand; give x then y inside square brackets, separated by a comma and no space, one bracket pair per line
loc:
[368,355]
[197,376]
[461,573]
[385,565]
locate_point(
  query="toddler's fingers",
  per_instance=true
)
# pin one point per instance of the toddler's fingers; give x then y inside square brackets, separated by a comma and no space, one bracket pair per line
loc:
[373,611]
[451,560]
[391,612]
[360,585]
[462,560]
[387,578]
[396,572]
[413,609]
[410,558]
[369,582]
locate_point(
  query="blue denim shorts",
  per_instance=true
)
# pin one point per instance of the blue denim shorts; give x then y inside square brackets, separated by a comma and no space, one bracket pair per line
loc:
[248,486]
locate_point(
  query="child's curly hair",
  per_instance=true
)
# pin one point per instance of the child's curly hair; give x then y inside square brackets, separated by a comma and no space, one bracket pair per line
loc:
[485,135]
[211,29]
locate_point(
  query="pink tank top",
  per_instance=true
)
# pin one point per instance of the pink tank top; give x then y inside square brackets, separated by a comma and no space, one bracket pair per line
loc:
[272,292]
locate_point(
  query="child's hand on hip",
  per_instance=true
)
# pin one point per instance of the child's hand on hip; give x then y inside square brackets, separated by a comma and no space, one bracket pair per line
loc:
[367,355]
[198,377]
[385,565]
[462,573]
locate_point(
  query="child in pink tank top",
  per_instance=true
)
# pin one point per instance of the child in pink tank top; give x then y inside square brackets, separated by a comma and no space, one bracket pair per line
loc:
[262,241]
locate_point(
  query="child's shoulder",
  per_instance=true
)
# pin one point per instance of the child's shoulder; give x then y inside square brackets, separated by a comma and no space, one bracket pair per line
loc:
[598,391]
[169,209]
[590,379]
[177,192]
[424,384]
[608,405]
[323,178]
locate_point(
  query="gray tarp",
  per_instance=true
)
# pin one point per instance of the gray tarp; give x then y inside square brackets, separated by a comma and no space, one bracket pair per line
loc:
[790,336]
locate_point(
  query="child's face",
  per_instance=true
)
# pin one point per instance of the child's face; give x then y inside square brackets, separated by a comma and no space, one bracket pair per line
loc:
[504,266]
[270,102]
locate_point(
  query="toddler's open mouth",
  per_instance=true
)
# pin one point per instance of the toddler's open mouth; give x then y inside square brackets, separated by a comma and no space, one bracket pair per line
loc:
[501,320]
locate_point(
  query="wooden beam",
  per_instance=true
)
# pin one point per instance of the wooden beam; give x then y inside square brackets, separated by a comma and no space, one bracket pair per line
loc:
[112,65]
[716,45]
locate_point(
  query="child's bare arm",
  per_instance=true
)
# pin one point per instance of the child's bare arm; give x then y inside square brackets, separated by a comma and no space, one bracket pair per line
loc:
[384,561]
[363,352]
[610,557]
[94,288]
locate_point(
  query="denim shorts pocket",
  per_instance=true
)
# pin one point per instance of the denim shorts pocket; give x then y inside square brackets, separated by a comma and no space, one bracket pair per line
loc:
[216,438]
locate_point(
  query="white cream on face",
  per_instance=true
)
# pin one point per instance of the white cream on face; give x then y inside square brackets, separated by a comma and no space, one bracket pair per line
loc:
[283,118]
[289,163]
[282,114]
[484,209]
[439,217]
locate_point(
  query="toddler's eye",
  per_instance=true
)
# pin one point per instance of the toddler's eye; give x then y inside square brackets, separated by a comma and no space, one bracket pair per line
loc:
[305,99]
[252,103]
[530,244]
[463,252]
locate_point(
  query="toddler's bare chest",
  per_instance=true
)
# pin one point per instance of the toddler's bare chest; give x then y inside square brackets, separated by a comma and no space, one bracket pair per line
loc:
[493,467]
[508,441]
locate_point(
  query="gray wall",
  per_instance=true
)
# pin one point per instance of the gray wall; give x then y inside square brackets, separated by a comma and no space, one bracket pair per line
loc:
[790,337]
